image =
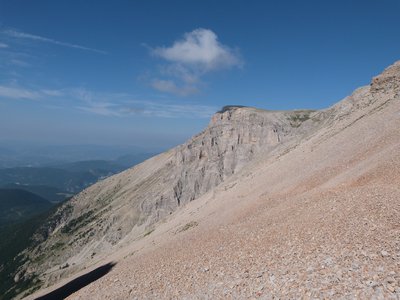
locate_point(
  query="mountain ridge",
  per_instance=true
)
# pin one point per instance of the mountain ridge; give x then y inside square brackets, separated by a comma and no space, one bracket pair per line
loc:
[240,145]
[191,169]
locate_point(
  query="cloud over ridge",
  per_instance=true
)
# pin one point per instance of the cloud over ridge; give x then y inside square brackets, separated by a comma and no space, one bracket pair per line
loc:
[200,48]
[105,104]
[188,59]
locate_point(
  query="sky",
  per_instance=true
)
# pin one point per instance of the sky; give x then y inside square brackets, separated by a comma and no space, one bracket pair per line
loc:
[152,73]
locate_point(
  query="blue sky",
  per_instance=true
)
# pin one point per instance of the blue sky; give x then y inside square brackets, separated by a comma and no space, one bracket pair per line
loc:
[151,73]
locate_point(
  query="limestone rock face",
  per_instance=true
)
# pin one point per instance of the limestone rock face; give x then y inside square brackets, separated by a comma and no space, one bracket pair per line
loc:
[232,139]
[125,206]
[122,209]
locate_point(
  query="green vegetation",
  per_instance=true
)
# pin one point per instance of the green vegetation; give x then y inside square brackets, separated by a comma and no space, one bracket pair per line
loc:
[19,236]
[57,246]
[18,205]
[72,177]
[79,222]
[148,232]
[298,117]
[28,286]
[49,193]
[188,226]
[229,107]
[15,238]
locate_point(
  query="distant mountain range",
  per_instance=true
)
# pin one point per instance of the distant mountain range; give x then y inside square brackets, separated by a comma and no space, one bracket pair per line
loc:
[29,194]
[51,194]
[20,155]
[29,191]
[65,178]
[17,205]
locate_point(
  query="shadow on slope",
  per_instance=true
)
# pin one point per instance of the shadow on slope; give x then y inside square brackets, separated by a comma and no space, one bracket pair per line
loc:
[78,283]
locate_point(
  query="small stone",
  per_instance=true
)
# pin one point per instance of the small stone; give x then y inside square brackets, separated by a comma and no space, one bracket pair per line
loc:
[384,253]
[390,280]
[64,266]
[372,283]
[328,261]
[391,288]
[272,278]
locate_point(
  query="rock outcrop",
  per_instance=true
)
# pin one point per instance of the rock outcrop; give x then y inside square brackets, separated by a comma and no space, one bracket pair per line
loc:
[126,207]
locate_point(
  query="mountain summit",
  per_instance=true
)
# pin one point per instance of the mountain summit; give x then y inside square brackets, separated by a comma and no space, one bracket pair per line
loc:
[283,204]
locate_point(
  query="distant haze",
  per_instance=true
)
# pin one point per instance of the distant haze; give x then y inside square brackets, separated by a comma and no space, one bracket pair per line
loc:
[79,72]
[22,154]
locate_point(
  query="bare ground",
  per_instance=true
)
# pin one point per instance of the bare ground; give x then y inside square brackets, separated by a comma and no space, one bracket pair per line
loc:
[321,221]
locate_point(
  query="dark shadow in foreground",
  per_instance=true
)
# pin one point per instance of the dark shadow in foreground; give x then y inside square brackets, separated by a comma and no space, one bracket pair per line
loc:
[78,283]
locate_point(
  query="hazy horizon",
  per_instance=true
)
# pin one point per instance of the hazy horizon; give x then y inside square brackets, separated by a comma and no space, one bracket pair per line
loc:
[75,72]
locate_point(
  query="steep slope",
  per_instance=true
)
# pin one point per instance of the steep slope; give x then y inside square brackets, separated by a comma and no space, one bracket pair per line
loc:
[308,206]
[124,207]
[318,221]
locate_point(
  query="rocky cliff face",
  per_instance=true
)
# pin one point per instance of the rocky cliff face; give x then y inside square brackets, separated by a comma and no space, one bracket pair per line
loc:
[232,139]
[319,219]
[126,206]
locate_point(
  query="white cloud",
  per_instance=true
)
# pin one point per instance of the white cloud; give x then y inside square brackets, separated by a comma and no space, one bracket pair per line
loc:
[180,72]
[200,48]
[107,104]
[170,86]
[172,110]
[104,109]
[122,104]
[149,109]
[2,45]
[18,93]
[23,35]
[189,59]
[19,63]
[53,93]
[82,94]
